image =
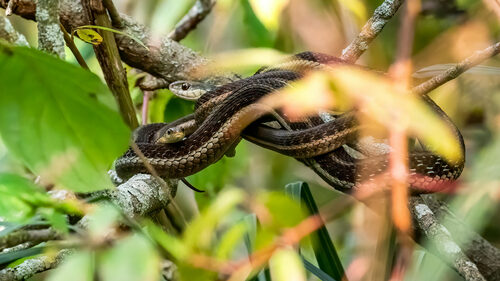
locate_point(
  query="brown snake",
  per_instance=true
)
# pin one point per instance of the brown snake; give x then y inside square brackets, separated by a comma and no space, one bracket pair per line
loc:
[223,114]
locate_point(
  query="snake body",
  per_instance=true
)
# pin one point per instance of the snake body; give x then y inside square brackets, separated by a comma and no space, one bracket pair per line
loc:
[225,113]
[211,139]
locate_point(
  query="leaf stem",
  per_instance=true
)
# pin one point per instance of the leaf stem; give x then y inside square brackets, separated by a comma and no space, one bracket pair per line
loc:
[74,50]
[116,19]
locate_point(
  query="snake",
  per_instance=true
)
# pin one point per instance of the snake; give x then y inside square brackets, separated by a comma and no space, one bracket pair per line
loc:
[224,113]
[212,138]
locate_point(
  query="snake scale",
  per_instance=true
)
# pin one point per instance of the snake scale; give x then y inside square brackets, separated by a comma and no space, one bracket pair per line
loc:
[225,113]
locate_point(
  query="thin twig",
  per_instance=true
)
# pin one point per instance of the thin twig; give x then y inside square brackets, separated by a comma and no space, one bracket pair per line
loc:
[189,22]
[455,71]
[10,8]
[36,236]
[448,249]
[116,19]
[109,58]
[400,71]
[371,29]
[74,50]
[145,106]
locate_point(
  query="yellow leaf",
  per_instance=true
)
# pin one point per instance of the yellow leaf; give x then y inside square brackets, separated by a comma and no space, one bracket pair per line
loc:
[377,97]
[268,11]
[306,97]
[356,7]
[89,35]
[285,265]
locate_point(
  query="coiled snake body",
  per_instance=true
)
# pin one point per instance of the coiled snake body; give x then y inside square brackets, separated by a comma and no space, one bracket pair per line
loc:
[226,113]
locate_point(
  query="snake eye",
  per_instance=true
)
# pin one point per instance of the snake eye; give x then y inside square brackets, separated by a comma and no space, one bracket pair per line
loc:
[185,86]
[170,131]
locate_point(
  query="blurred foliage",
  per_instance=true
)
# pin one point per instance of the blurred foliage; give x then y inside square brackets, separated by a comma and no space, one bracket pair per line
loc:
[60,122]
[60,131]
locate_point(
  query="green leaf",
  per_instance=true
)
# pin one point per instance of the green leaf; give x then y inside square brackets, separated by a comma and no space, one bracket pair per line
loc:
[21,198]
[284,212]
[88,35]
[250,243]
[56,219]
[324,250]
[51,120]
[177,108]
[170,243]
[103,218]
[9,257]
[200,233]
[80,266]
[251,222]
[158,104]
[257,33]
[229,240]
[316,271]
[286,265]
[131,259]
[9,227]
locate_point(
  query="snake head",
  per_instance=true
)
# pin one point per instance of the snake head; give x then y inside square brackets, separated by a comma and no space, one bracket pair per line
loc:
[189,90]
[171,135]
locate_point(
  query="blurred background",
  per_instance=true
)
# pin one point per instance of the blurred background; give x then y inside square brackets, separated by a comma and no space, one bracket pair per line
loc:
[446,32]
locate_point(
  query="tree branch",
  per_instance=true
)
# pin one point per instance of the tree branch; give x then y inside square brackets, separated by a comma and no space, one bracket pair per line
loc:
[110,61]
[455,71]
[371,29]
[168,60]
[116,19]
[50,36]
[8,33]
[189,22]
[441,238]
[33,266]
[478,249]
[23,236]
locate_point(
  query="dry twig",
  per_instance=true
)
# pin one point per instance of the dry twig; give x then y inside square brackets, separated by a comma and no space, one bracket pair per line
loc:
[189,22]
[371,29]
[455,71]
